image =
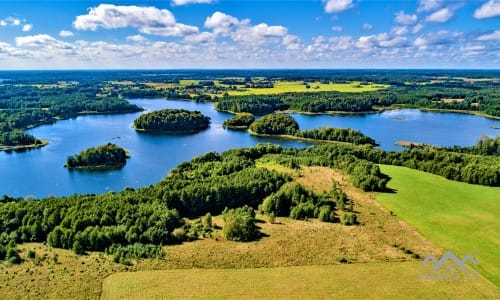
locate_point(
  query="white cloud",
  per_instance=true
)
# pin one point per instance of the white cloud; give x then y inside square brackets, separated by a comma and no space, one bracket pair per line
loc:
[440,16]
[405,19]
[136,38]
[222,23]
[35,40]
[27,27]
[443,37]
[184,2]
[429,5]
[337,28]
[417,28]
[148,20]
[65,33]
[3,23]
[367,27]
[242,31]
[489,9]
[399,30]
[337,6]
[494,36]
[202,37]
[15,21]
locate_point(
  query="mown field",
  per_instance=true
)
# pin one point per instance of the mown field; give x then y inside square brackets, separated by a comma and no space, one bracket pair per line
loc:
[387,280]
[281,87]
[460,217]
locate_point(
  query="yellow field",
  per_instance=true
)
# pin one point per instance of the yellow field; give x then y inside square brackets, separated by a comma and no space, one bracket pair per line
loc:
[299,87]
[349,281]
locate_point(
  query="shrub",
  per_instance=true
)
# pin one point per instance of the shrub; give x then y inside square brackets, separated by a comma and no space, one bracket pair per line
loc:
[239,224]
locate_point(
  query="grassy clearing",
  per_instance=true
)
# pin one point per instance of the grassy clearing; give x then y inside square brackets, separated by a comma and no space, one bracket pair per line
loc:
[460,217]
[299,87]
[353,281]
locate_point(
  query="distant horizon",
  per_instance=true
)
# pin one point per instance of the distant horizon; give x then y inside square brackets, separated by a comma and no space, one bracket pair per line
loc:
[259,69]
[227,34]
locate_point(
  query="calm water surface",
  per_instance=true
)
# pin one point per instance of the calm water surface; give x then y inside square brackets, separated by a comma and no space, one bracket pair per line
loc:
[41,173]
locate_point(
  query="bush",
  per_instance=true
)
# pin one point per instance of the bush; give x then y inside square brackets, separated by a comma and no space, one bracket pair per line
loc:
[239,224]
[348,219]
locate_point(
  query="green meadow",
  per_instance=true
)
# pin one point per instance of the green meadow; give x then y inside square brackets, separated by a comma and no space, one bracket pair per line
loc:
[281,87]
[459,217]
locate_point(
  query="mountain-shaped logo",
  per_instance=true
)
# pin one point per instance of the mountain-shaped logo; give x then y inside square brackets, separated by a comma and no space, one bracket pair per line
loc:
[453,269]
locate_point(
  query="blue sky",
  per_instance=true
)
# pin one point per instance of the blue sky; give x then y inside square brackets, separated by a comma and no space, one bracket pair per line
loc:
[249,34]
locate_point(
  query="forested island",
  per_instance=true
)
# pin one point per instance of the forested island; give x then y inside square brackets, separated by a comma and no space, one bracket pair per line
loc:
[275,124]
[172,121]
[18,139]
[105,156]
[239,121]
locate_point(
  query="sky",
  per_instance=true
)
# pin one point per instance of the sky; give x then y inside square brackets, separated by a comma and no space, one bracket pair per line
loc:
[169,34]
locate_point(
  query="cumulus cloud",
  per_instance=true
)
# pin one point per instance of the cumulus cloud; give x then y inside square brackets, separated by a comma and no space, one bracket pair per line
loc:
[242,31]
[429,5]
[337,6]
[3,23]
[404,19]
[494,36]
[65,33]
[222,23]
[442,37]
[367,27]
[148,20]
[136,38]
[184,2]
[489,9]
[440,16]
[35,40]
[202,37]
[399,30]
[27,27]
[337,28]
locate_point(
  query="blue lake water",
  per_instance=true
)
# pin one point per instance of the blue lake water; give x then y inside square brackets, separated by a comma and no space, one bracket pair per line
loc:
[40,172]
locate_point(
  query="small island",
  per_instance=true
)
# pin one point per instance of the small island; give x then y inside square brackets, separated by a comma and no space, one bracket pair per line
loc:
[107,156]
[275,124]
[172,121]
[19,140]
[239,121]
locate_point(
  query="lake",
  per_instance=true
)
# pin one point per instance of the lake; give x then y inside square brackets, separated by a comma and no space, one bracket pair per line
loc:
[40,172]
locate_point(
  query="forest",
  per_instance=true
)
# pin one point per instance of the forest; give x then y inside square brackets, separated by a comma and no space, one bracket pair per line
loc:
[172,120]
[109,155]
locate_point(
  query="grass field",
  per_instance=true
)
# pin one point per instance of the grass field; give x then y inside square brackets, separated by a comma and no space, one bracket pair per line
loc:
[352,281]
[459,217]
[298,86]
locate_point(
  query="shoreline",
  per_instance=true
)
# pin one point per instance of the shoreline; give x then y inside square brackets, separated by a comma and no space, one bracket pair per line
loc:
[378,110]
[308,140]
[42,143]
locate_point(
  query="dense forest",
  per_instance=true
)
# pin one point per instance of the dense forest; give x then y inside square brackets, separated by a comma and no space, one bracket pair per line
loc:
[239,121]
[172,120]
[109,155]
